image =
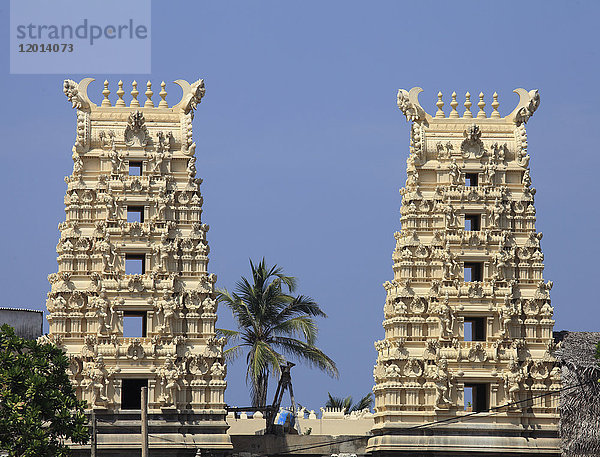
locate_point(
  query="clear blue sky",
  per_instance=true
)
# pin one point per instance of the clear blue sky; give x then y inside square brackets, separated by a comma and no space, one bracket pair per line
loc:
[303,150]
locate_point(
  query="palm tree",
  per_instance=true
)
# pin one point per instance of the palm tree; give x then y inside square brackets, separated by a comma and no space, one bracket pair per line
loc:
[272,323]
[340,403]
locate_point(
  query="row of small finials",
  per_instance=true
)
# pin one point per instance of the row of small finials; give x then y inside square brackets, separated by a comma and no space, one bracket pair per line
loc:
[163,102]
[468,114]
[134,94]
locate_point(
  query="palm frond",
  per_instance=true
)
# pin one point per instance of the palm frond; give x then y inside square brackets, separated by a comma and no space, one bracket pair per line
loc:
[308,353]
[272,322]
[261,359]
[232,353]
[302,326]
[365,402]
[338,402]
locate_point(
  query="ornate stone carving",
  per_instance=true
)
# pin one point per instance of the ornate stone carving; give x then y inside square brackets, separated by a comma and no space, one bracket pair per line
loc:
[443,384]
[447,318]
[135,351]
[513,377]
[525,112]
[117,214]
[472,144]
[408,103]
[169,375]
[71,90]
[430,304]
[98,379]
[193,97]
[136,131]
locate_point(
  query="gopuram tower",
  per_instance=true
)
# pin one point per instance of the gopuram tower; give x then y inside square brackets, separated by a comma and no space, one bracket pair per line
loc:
[466,366]
[132,303]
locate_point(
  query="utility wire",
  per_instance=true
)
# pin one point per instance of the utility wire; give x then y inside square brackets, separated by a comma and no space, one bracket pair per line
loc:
[135,429]
[470,416]
[464,417]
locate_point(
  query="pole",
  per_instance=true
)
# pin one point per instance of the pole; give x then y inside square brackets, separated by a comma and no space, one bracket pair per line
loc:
[294,413]
[94,435]
[144,422]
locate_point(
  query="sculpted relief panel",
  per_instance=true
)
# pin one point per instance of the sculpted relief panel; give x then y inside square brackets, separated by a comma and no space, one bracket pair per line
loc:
[467,309]
[136,161]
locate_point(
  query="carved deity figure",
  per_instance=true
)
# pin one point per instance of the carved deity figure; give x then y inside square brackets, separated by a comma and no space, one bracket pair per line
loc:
[169,379]
[446,317]
[104,314]
[77,165]
[496,213]
[526,178]
[507,312]
[499,154]
[159,158]
[164,251]
[443,380]
[167,307]
[449,263]
[191,167]
[501,259]
[454,172]
[98,382]
[108,255]
[490,171]
[410,163]
[162,202]
[412,181]
[111,206]
[513,378]
[115,162]
[209,306]
[450,216]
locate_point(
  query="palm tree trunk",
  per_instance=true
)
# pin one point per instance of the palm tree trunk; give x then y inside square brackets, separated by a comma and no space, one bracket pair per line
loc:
[260,393]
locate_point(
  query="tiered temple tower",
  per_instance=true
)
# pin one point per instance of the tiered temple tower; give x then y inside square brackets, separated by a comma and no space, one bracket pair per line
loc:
[466,366]
[133,248]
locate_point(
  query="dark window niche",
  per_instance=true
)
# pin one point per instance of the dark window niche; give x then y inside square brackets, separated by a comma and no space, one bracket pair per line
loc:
[471,179]
[134,324]
[477,395]
[473,271]
[135,264]
[472,222]
[131,393]
[135,168]
[474,329]
[135,214]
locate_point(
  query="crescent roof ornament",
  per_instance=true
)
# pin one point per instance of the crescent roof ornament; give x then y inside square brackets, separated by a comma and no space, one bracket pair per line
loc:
[408,102]
[77,93]
[528,104]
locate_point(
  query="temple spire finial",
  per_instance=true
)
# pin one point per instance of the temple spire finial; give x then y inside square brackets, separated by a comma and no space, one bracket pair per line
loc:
[481,114]
[468,104]
[440,105]
[149,93]
[120,93]
[134,93]
[106,93]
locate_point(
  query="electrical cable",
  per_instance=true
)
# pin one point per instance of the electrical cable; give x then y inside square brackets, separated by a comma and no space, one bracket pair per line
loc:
[470,416]
[464,417]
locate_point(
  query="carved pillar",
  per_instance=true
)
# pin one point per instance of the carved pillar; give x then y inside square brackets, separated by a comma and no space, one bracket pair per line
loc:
[208,324]
[490,328]
[494,394]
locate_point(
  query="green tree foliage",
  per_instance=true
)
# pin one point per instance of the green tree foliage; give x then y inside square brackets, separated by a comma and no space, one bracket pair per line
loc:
[338,402]
[272,323]
[38,407]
